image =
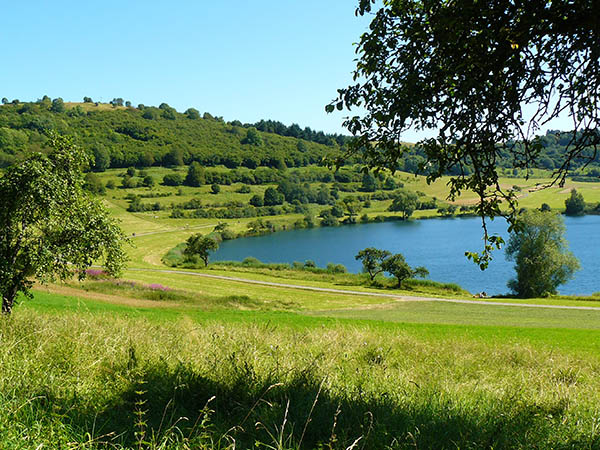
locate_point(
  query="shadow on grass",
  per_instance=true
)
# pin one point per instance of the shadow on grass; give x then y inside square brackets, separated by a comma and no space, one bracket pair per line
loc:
[163,403]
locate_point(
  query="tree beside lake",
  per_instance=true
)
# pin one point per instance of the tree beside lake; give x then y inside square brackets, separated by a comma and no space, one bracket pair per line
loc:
[540,252]
[199,247]
[575,204]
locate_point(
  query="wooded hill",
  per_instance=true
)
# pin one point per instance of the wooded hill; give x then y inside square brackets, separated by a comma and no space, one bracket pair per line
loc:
[124,136]
[120,135]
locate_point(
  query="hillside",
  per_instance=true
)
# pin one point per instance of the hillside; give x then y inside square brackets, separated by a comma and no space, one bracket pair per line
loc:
[120,136]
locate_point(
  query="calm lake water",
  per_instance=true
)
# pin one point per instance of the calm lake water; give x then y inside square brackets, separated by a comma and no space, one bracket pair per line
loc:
[438,244]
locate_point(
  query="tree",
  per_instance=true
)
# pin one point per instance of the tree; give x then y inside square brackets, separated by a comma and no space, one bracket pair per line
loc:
[484,76]
[173,158]
[541,255]
[195,176]
[252,137]
[148,181]
[397,266]
[87,100]
[575,204]
[369,183]
[272,197]
[92,183]
[199,247]
[172,179]
[5,101]
[192,113]
[58,105]
[353,207]
[256,200]
[404,201]
[101,160]
[215,188]
[372,258]
[35,239]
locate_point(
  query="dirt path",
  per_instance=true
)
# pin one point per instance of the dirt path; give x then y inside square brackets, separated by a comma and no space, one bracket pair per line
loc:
[396,297]
[108,298]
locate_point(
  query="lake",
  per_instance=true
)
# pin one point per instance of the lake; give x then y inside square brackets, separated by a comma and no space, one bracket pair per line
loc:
[437,244]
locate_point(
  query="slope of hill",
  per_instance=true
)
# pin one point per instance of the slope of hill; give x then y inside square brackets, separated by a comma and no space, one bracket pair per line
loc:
[121,136]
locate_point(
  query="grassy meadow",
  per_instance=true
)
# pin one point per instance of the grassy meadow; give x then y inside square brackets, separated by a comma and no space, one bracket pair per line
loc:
[188,360]
[120,368]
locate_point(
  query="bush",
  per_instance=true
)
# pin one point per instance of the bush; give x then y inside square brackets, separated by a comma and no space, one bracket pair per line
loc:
[172,179]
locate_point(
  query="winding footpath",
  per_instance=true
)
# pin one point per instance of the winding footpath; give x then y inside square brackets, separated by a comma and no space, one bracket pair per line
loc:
[370,294]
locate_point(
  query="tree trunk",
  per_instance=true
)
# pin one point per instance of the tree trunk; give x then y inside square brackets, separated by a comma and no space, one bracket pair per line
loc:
[7,304]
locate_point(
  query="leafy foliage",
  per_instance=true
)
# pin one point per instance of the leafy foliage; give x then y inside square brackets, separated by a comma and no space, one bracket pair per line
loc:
[126,136]
[404,201]
[35,239]
[372,260]
[397,266]
[467,69]
[539,249]
[575,204]
[199,246]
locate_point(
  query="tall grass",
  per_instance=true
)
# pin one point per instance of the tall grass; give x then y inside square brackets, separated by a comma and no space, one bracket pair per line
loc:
[83,380]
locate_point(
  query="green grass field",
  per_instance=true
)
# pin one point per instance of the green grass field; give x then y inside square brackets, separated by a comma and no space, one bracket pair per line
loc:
[118,371]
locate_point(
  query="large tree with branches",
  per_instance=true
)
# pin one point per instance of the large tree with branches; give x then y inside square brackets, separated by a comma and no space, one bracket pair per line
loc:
[50,228]
[486,76]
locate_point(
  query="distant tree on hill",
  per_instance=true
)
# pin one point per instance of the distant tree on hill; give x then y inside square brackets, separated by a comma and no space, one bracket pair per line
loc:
[192,113]
[117,102]
[150,114]
[252,137]
[405,202]
[148,181]
[369,183]
[256,200]
[87,100]
[173,158]
[128,104]
[353,207]
[196,175]
[101,160]
[93,184]
[575,204]
[199,247]
[273,197]
[58,105]
[5,101]
[168,113]
[146,159]
[172,179]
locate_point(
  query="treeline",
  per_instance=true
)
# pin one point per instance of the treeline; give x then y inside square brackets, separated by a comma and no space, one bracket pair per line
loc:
[552,149]
[295,131]
[119,135]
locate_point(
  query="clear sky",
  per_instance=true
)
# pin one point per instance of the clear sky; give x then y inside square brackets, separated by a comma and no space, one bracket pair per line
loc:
[240,59]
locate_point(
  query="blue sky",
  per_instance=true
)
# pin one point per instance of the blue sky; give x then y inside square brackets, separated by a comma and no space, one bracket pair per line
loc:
[246,60]
[240,59]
